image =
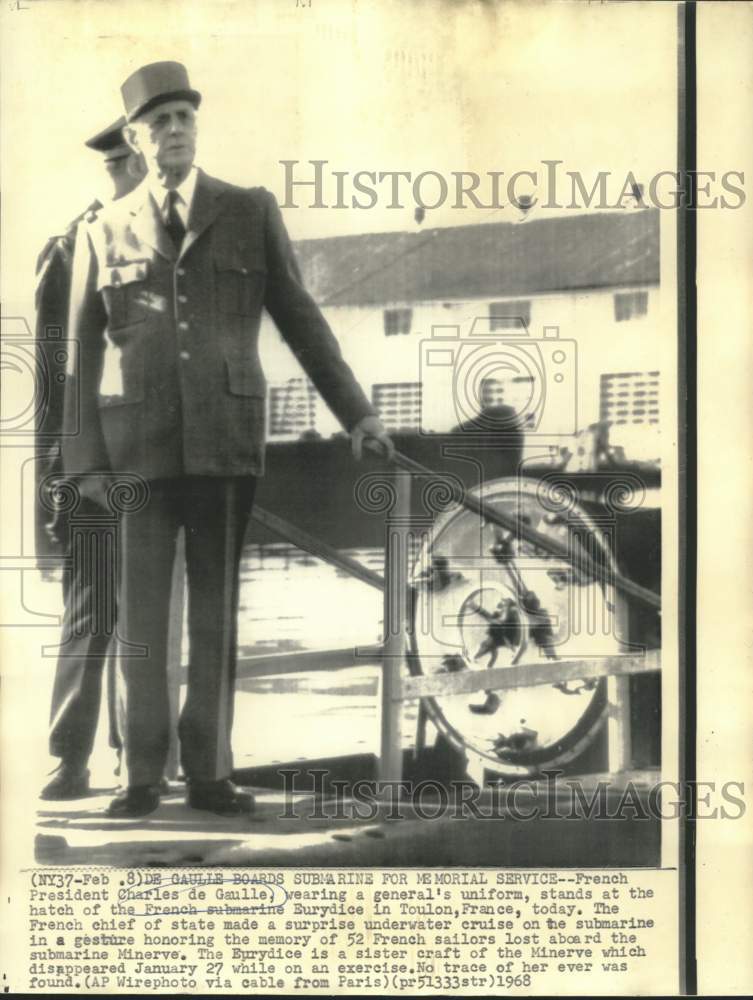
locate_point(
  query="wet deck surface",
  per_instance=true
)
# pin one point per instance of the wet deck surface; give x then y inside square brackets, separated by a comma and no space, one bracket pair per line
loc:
[294,718]
[323,832]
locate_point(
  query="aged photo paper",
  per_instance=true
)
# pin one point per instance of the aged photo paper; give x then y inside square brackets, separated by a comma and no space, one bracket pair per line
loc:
[347,470]
[724,862]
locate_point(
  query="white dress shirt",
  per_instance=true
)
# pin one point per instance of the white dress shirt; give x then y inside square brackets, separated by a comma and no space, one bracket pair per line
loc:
[183,202]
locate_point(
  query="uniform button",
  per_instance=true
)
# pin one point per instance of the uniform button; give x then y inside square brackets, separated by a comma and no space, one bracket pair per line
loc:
[182,298]
[182,325]
[184,356]
[181,271]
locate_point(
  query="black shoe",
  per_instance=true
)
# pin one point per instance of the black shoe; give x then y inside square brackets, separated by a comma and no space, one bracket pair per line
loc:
[70,781]
[221,797]
[136,800]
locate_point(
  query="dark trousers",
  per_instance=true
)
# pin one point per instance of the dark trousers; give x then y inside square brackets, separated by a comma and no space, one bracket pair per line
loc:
[90,607]
[214,512]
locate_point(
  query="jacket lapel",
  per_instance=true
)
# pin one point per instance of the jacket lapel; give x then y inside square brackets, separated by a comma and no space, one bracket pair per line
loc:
[149,228]
[205,208]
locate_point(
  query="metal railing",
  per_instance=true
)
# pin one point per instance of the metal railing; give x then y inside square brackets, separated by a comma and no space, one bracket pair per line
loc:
[397,688]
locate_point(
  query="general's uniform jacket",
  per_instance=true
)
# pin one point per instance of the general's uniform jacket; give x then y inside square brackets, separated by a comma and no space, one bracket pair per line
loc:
[169,380]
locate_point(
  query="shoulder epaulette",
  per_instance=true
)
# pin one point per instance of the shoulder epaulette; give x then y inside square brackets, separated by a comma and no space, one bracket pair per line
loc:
[92,211]
[88,215]
[63,242]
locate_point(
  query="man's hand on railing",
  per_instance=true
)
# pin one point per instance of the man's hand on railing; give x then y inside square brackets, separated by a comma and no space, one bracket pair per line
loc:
[371,429]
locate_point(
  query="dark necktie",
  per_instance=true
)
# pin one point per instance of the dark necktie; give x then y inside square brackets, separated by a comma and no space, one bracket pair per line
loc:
[175,226]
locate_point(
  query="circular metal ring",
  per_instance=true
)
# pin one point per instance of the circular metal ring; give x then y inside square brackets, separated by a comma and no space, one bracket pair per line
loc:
[484,597]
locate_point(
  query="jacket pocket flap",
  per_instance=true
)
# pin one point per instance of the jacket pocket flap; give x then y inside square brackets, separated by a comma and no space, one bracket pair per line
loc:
[230,258]
[123,274]
[245,379]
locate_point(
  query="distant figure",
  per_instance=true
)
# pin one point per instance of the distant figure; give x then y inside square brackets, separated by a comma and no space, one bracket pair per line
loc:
[592,450]
[78,677]
[495,435]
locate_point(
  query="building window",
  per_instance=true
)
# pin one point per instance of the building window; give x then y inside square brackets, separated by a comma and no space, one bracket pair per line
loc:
[398,404]
[630,398]
[397,321]
[514,315]
[292,408]
[628,305]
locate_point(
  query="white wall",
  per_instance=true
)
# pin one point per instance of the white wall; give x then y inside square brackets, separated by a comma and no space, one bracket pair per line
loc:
[592,342]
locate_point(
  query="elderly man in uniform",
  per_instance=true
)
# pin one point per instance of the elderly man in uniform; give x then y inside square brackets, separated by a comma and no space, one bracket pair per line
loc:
[78,676]
[168,291]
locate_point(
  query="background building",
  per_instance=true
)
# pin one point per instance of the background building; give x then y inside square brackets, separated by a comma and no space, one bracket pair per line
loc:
[557,316]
